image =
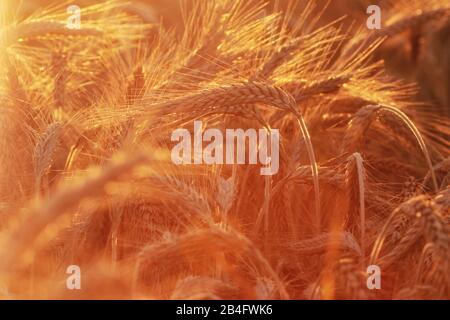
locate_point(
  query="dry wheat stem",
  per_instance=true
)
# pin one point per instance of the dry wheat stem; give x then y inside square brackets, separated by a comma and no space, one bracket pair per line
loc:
[314,167]
[361,187]
[362,120]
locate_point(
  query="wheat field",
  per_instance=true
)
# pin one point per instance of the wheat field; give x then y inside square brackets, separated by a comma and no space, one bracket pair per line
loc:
[86,176]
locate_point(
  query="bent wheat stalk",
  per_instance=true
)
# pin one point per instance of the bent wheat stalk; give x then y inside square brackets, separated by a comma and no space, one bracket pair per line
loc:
[362,120]
[405,119]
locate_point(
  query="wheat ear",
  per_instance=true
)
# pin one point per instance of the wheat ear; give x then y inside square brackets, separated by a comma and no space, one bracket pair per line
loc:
[320,243]
[302,92]
[225,96]
[44,151]
[407,241]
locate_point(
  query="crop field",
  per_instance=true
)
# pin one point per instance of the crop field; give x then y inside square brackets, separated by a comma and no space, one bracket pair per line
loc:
[225,149]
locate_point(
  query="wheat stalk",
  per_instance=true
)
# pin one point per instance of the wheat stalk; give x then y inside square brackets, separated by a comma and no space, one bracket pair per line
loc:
[362,120]
[357,158]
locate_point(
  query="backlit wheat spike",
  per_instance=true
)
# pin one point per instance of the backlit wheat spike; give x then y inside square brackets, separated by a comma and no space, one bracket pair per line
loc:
[405,120]
[409,208]
[357,127]
[225,193]
[320,243]
[288,48]
[424,209]
[352,279]
[408,239]
[45,149]
[301,92]
[192,197]
[241,94]
[437,231]
[427,253]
